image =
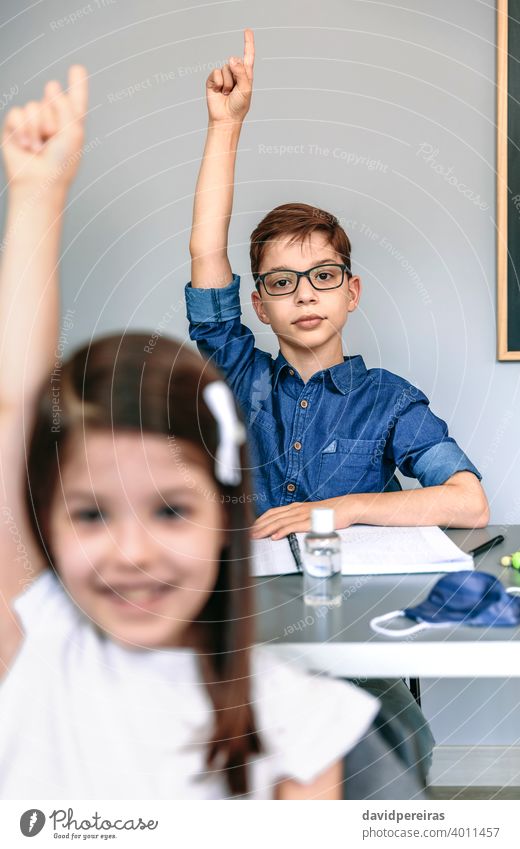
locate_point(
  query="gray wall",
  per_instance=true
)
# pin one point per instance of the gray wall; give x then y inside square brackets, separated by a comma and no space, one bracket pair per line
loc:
[393,115]
[393,95]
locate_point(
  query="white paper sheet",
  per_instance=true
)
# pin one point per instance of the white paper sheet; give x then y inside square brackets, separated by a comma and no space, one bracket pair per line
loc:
[373,550]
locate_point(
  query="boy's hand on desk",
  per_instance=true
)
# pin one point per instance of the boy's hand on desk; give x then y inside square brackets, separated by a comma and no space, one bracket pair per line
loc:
[42,141]
[295,518]
[229,89]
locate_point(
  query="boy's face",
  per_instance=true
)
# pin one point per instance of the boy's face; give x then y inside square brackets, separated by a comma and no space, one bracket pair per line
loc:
[286,313]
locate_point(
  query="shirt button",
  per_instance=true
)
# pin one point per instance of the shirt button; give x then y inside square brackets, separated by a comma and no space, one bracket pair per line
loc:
[304,404]
[291,487]
[297,446]
[291,372]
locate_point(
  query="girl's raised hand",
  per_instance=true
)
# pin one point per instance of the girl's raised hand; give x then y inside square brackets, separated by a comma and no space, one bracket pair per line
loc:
[41,142]
[229,89]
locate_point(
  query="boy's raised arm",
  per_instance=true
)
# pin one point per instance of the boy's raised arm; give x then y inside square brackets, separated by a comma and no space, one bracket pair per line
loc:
[41,146]
[228,93]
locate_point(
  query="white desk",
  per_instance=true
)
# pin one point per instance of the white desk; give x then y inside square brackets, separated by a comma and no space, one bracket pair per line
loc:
[340,641]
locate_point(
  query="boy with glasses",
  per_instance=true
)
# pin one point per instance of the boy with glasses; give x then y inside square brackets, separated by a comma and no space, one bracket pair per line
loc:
[324,430]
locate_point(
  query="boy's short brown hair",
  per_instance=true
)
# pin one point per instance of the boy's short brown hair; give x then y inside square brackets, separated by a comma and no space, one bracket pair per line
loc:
[299,221]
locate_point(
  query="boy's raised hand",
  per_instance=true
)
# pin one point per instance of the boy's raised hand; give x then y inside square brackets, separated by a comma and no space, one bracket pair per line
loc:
[41,142]
[229,89]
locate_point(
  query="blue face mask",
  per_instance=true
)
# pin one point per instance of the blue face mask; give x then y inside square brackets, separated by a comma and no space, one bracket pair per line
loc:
[468,598]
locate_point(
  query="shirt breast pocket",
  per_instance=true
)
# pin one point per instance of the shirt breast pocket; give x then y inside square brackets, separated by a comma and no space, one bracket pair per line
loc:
[349,465]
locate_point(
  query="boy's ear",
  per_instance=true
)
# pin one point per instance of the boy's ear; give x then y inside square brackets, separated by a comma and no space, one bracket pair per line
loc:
[258,306]
[354,289]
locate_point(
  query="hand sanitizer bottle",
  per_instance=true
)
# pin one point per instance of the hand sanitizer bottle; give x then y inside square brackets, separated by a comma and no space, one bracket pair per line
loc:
[322,561]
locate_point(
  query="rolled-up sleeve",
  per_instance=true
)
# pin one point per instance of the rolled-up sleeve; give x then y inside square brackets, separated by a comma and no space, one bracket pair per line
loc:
[213,305]
[422,447]
[216,327]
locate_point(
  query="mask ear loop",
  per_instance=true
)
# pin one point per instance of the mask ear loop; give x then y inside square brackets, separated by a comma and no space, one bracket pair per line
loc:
[390,632]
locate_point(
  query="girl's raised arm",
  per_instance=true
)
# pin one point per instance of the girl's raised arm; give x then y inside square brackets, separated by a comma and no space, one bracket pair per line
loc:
[41,146]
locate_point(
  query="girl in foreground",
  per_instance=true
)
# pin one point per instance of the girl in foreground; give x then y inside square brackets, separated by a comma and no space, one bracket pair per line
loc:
[126,617]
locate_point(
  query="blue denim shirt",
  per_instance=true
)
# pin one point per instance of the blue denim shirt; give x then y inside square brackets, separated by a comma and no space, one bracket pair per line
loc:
[344,431]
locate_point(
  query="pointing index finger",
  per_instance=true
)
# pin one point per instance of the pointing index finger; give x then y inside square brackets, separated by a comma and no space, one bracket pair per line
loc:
[78,90]
[249,51]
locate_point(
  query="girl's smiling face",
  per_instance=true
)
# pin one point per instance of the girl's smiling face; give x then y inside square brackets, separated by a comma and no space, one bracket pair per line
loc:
[137,529]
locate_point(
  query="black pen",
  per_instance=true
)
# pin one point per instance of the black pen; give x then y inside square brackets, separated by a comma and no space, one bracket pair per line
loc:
[480,549]
[295,549]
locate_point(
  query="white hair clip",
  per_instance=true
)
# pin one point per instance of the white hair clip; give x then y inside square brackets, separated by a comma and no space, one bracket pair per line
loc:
[231,432]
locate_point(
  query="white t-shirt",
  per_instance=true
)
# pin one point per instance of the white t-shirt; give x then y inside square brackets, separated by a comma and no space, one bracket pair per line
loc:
[84,718]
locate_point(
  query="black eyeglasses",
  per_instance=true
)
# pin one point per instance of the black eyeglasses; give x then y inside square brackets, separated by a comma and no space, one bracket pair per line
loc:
[321,277]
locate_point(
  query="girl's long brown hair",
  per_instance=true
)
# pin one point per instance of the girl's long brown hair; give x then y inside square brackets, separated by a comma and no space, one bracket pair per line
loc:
[154,385]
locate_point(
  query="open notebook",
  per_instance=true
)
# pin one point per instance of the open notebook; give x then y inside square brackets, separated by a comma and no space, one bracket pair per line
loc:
[373,550]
